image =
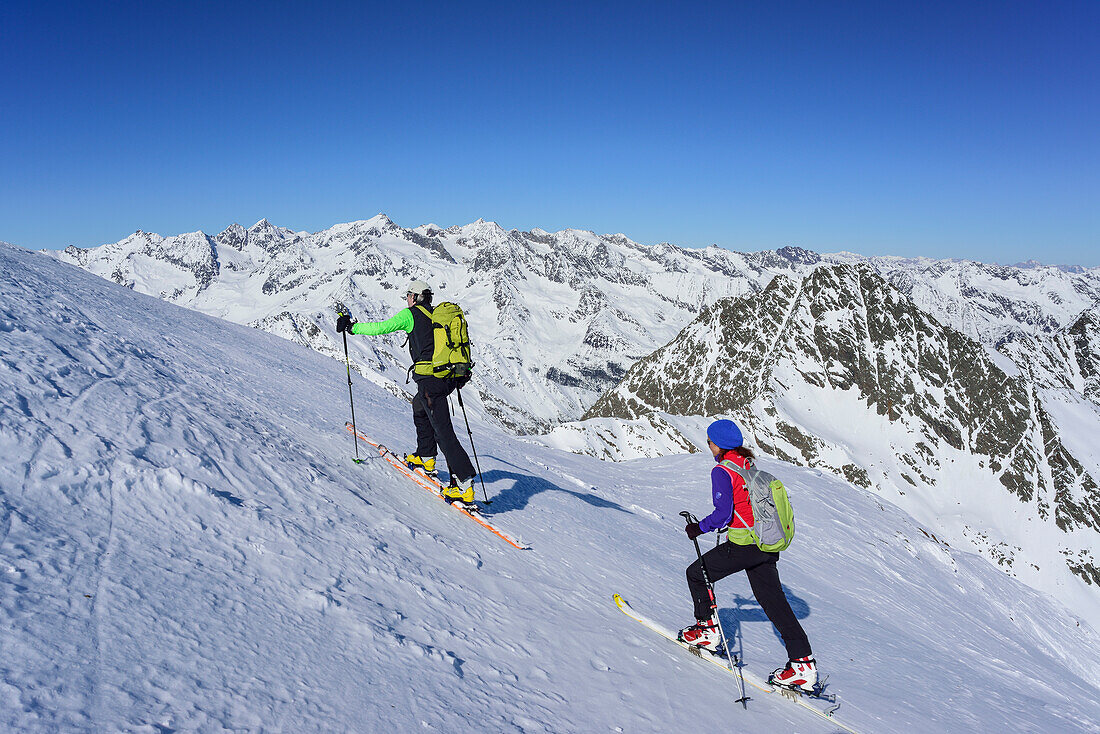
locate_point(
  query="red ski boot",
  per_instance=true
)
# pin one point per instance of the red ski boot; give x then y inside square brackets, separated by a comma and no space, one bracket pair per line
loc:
[703,633]
[799,675]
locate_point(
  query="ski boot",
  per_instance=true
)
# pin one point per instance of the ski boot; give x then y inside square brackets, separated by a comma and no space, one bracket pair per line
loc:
[461,491]
[704,633]
[799,675]
[425,465]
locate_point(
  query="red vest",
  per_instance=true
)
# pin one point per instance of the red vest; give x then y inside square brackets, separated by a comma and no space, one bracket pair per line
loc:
[742,505]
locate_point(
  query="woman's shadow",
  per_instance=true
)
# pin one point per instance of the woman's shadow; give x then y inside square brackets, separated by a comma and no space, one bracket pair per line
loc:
[746,609]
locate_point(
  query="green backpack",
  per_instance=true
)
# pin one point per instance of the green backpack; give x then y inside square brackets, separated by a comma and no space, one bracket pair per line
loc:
[773,516]
[451,355]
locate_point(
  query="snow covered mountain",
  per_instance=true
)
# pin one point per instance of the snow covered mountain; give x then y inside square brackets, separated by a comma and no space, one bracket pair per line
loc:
[990,302]
[841,371]
[1023,311]
[556,318]
[185,546]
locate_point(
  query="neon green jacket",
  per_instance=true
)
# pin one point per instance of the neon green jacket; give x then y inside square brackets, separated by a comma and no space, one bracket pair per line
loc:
[401,321]
[419,328]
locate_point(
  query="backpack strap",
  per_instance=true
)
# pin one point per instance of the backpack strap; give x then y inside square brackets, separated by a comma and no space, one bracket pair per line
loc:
[445,327]
[421,364]
[730,466]
[733,467]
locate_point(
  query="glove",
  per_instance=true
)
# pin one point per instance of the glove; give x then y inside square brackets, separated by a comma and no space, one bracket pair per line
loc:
[344,323]
[693,530]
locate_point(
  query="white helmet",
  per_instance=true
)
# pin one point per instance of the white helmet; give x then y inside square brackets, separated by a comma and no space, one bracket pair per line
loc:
[419,289]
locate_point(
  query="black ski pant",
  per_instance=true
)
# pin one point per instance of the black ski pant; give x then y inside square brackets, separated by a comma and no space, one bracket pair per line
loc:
[729,558]
[434,431]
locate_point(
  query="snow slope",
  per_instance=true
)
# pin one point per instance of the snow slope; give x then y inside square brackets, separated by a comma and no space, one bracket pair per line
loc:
[186,546]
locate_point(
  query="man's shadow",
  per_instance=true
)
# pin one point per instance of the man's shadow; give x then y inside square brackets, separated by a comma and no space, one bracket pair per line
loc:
[526,486]
[746,609]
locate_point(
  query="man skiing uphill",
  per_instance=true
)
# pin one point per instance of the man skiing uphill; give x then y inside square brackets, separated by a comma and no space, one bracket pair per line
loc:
[733,507]
[430,411]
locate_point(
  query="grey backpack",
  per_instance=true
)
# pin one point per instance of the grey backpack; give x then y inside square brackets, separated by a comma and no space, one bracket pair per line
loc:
[773,517]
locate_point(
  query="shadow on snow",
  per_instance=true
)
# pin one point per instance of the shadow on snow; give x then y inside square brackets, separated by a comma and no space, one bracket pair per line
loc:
[746,609]
[526,486]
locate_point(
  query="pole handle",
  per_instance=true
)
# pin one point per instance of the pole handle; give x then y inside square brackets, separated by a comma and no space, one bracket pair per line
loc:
[688,519]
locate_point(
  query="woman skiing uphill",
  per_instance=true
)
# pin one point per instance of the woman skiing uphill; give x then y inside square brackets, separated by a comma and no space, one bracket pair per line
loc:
[430,415]
[733,507]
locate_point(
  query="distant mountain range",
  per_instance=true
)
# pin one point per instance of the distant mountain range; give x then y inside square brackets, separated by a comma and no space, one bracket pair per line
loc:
[968,393]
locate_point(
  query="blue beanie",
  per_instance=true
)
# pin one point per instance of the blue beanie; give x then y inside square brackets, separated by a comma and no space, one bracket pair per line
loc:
[725,434]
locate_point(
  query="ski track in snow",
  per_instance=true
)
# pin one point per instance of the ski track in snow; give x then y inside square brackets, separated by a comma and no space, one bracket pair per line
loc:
[185,545]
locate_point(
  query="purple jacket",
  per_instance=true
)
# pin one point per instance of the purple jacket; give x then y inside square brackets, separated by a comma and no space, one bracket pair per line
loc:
[722,495]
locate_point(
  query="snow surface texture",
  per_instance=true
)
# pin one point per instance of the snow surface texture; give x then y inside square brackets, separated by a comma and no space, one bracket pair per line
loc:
[186,545]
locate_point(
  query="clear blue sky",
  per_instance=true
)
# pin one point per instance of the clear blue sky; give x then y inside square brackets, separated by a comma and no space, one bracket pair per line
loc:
[947,129]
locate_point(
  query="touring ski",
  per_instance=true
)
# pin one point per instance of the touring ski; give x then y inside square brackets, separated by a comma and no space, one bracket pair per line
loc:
[432,484]
[830,702]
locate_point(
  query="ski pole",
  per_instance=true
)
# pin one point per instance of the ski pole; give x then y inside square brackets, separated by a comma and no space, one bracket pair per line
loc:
[470,433]
[689,518]
[741,677]
[351,397]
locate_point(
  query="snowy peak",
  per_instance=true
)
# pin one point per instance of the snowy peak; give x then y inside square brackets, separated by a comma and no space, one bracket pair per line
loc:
[234,236]
[269,239]
[140,238]
[382,223]
[483,231]
[147,261]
